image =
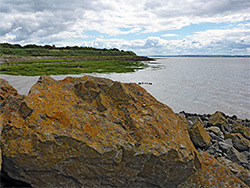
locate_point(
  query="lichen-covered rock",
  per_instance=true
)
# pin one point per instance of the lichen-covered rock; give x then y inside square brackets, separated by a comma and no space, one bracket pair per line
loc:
[238,170]
[240,143]
[94,132]
[212,174]
[217,119]
[1,128]
[9,100]
[199,135]
[238,128]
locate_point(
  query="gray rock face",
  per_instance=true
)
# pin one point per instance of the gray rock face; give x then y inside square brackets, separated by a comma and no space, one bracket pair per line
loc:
[236,156]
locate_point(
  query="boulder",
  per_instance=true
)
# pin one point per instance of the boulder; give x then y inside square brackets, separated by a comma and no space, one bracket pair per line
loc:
[238,128]
[95,132]
[217,119]
[199,135]
[240,143]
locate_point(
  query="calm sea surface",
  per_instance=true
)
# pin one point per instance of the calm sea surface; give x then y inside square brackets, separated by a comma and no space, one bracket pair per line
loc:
[197,85]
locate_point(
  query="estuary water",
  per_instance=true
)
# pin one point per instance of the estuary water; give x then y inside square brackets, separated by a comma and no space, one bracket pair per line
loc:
[193,84]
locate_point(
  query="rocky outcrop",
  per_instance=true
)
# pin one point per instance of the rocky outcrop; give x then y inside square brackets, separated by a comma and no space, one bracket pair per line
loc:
[228,144]
[9,100]
[94,132]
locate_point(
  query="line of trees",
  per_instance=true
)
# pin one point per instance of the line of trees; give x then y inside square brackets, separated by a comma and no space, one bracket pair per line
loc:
[7,45]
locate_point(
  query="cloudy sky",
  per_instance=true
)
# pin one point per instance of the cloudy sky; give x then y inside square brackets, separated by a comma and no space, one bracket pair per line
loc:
[147,27]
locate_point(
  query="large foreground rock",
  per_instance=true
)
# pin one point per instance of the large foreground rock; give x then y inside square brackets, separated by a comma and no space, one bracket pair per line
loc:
[94,132]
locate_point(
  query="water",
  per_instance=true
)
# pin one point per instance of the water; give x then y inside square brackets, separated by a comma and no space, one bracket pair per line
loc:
[195,85]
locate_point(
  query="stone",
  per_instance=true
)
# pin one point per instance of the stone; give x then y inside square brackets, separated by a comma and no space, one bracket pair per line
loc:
[212,174]
[247,154]
[236,156]
[216,130]
[95,132]
[225,146]
[217,118]
[195,118]
[238,128]
[215,137]
[240,172]
[240,143]
[199,135]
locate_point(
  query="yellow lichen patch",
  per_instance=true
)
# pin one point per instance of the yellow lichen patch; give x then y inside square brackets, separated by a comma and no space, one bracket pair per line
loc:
[90,130]
[62,118]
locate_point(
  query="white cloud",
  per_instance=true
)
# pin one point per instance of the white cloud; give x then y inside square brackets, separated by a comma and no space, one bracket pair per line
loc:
[170,35]
[66,22]
[221,42]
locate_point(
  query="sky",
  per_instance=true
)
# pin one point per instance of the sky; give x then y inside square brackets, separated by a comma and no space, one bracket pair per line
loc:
[147,27]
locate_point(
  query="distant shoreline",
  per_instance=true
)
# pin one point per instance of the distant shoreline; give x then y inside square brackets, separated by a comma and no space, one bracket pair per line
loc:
[231,56]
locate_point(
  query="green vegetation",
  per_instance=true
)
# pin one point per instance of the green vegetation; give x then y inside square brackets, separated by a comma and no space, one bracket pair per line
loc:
[33,60]
[45,61]
[47,50]
[72,68]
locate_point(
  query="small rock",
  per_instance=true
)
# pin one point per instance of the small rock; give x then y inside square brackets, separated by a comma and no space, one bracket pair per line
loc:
[217,118]
[211,151]
[236,156]
[229,141]
[225,146]
[214,137]
[240,143]
[247,154]
[216,130]
[238,128]
[195,118]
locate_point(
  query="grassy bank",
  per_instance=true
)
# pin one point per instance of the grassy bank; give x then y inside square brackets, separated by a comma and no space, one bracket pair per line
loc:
[72,68]
[33,60]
